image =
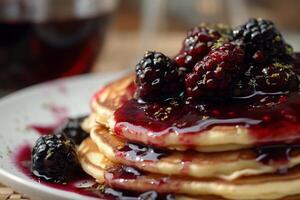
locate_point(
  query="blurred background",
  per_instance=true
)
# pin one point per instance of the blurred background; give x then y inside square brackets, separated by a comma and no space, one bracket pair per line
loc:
[46,39]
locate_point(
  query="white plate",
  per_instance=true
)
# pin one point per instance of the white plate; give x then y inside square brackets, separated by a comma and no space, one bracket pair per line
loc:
[31,106]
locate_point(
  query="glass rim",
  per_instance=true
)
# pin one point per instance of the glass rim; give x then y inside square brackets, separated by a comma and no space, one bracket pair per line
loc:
[45,10]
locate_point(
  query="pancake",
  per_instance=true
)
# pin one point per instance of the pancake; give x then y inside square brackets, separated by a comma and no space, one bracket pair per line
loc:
[216,137]
[93,162]
[271,186]
[226,165]
[111,97]
[89,122]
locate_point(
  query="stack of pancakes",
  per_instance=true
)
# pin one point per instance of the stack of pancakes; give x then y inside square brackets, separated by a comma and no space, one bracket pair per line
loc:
[217,163]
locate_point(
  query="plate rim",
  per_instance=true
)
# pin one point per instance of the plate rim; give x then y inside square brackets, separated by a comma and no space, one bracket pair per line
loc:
[20,184]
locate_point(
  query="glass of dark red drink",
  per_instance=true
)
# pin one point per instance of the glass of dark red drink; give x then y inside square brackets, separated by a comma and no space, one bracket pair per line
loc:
[45,39]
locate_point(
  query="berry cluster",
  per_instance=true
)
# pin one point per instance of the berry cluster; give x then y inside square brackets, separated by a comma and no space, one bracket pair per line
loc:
[213,76]
[263,41]
[277,77]
[195,46]
[216,62]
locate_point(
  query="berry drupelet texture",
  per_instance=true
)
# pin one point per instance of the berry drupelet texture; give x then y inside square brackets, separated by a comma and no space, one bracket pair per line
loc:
[213,76]
[262,41]
[277,77]
[54,158]
[195,46]
[157,77]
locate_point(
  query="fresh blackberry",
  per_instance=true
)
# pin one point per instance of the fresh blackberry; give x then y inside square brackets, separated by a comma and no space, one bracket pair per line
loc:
[157,77]
[54,158]
[246,85]
[277,77]
[263,41]
[197,44]
[213,76]
[72,130]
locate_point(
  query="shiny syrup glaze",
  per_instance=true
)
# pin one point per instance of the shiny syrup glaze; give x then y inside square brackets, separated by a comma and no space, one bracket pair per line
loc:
[269,118]
[278,155]
[126,172]
[138,152]
[82,183]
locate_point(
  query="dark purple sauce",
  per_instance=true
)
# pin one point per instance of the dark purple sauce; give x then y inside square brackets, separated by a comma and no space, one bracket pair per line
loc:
[270,118]
[83,184]
[80,184]
[276,154]
[138,152]
[113,194]
[126,173]
[269,155]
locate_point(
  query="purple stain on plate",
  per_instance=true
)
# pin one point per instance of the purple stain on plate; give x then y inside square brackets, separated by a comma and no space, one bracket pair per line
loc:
[59,113]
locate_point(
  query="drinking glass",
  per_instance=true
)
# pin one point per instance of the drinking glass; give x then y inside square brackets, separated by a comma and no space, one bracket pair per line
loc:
[46,39]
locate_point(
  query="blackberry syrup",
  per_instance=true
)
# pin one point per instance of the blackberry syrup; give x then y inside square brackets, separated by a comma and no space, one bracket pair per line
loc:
[270,118]
[273,119]
[83,184]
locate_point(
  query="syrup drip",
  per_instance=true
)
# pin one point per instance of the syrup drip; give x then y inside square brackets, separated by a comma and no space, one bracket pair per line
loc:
[268,155]
[138,152]
[113,194]
[125,172]
[276,154]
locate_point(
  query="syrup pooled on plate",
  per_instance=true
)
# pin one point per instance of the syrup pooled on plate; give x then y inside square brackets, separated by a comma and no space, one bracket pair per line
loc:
[79,184]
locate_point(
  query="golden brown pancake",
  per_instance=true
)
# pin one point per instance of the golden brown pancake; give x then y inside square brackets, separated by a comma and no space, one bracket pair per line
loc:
[226,165]
[270,186]
[218,138]
[93,162]
[267,186]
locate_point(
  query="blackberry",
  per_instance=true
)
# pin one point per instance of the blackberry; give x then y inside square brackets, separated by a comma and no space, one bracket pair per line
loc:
[263,42]
[277,77]
[157,77]
[197,44]
[246,85]
[213,77]
[54,158]
[72,130]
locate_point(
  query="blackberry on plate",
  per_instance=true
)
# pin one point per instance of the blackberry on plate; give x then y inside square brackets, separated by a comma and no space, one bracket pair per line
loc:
[213,76]
[157,77]
[262,41]
[277,77]
[72,130]
[54,158]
